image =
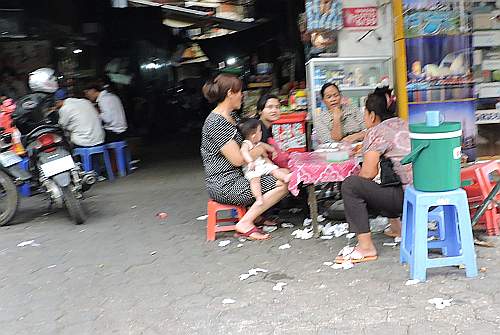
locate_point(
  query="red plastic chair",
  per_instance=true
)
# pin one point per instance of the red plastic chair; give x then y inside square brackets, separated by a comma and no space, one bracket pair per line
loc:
[473,175]
[492,213]
[213,226]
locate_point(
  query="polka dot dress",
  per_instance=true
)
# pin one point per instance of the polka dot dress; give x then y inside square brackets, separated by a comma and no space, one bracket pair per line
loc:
[226,183]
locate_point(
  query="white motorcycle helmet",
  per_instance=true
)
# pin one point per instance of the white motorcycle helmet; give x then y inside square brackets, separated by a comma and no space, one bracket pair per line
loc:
[43,80]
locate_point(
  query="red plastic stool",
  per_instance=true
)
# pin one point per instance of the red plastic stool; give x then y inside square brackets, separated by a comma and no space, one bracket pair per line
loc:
[213,227]
[492,214]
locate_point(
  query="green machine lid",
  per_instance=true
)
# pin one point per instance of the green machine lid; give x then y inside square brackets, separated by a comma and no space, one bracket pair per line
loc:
[444,127]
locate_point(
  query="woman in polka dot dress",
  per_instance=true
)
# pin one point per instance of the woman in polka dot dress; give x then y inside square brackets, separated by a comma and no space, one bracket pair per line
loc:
[222,159]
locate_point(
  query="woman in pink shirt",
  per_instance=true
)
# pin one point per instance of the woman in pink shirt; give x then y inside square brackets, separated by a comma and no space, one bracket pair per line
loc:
[386,143]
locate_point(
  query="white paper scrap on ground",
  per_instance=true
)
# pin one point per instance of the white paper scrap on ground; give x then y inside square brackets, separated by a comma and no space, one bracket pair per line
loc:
[25,243]
[284,246]
[303,234]
[326,237]
[328,229]
[228,301]
[253,272]
[346,252]
[51,266]
[239,245]
[390,244]
[337,266]
[321,218]
[412,282]
[279,286]
[202,218]
[327,263]
[440,303]
[307,222]
[295,210]
[269,229]
[245,276]
[224,243]
[350,235]
[287,225]
[346,265]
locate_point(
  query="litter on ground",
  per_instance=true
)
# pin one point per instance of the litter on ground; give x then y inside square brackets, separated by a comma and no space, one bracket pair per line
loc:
[284,246]
[162,215]
[287,225]
[224,243]
[26,243]
[152,253]
[228,301]
[251,272]
[303,234]
[390,244]
[202,218]
[279,286]
[412,282]
[326,237]
[51,266]
[328,263]
[239,245]
[440,303]
[350,235]
[269,229]
[337,266]
[307,222]
[321,218]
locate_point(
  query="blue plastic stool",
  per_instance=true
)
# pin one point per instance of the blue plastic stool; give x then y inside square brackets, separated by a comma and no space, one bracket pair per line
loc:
[86,156]
[122,155]
[456,240]
[25,189]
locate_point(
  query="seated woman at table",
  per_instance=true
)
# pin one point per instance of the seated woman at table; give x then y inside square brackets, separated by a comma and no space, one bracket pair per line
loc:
[222,159]
[336,122]
[268,110]
[387,138]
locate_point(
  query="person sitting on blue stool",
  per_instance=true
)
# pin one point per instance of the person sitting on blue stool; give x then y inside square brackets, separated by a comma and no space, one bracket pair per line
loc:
[79,118]
[384,146]
[111,112]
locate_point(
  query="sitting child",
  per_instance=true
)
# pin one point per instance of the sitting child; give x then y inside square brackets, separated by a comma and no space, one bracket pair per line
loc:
[254,169]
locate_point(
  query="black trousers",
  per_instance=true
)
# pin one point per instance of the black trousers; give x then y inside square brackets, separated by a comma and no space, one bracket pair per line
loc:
[362,196]
[114,137]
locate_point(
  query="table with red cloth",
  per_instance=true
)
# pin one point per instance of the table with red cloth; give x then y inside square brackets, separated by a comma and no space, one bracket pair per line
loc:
[311,168]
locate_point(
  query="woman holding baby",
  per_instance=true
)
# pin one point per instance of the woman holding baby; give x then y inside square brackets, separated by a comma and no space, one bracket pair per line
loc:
[223,160]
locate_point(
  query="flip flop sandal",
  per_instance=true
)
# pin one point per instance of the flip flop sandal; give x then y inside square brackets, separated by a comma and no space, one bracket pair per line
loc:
[248,234]
[355,257]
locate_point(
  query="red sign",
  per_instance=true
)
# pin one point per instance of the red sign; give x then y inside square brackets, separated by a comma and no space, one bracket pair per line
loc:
[360,17]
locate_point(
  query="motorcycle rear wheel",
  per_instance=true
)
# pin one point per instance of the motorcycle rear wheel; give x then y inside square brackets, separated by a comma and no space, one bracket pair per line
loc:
[8,197]
[74,206]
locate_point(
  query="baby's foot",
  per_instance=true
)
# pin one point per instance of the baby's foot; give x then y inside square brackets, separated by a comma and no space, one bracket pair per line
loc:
[287,178]
[259,201]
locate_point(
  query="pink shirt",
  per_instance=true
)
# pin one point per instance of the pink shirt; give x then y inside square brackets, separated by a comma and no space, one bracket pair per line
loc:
[391,138]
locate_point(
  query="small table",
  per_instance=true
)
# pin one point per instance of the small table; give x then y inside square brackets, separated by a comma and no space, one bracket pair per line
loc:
[311,168]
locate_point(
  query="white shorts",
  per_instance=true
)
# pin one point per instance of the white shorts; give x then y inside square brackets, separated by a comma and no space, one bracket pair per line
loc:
[261,168]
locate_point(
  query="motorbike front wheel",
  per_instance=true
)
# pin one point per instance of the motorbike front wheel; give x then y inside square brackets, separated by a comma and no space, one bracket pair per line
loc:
[9,198]
[73,205]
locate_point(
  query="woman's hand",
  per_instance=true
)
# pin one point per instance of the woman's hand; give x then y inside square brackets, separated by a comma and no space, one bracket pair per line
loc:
[354,137]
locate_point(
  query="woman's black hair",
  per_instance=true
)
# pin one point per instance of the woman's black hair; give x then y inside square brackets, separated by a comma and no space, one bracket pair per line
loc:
[377,103]
[325,86]
[248,126]
[261,104]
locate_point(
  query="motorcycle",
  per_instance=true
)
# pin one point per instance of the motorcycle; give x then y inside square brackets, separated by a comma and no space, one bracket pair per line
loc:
[10,176]
[54,170]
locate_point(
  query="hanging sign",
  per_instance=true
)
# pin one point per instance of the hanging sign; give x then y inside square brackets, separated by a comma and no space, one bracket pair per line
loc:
[360,17]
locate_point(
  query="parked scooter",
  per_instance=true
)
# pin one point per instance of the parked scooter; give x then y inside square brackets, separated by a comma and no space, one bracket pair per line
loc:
[10,175]
[50,162]
[54,170]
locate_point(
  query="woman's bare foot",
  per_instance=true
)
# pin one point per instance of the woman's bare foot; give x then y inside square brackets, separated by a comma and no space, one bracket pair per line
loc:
[250,232]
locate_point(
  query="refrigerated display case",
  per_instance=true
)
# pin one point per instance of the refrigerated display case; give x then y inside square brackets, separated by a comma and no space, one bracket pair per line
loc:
[355,77]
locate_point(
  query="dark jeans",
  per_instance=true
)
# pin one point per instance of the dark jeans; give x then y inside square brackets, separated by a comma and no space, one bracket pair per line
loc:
[114,137]
[362,196]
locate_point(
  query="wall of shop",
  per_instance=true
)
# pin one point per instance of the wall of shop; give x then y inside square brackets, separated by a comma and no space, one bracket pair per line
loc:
[370,45]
